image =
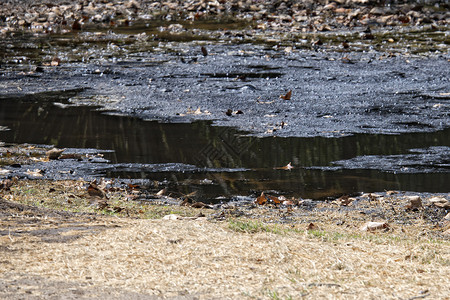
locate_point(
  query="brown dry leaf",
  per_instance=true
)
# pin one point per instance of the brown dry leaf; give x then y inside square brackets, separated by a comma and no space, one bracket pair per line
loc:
[134,186]
[311,226]
[131,197]
[54,153]
[373,226]
[35,173]
[440,202]
[262,199]
[287,96]
[447,217]
[274,199]
[288,202]
[76,25]
[200,205]
[346,60]
[55,62]
[204,51]
[414,202]
[71,156]
[94,191]
[7,184]
[161,192]
[102,204]
[389,193]
[445,205]
[345,200]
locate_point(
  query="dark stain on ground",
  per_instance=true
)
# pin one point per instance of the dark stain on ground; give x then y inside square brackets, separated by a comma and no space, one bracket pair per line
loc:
[377,107]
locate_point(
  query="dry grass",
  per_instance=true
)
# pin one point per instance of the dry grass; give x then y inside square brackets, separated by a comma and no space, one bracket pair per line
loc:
[234,259]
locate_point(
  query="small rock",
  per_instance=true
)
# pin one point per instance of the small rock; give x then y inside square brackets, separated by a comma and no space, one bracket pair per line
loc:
[373,226]
[172,217]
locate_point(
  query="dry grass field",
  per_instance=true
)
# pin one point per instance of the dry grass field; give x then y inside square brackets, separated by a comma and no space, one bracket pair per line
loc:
[49,253]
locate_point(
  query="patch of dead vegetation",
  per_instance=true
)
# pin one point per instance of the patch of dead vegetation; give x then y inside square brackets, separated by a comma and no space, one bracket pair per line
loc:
[233,253]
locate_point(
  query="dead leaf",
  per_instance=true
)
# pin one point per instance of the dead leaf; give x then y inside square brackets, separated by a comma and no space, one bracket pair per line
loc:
[54,153]
[71,156]
[200,205]
[55,62]
[261,199]
[7,184]
[35,173]
[76,25]
[311,226]
[373,226]
[287,96]
[102,204]
[414,202]
[345,200]
[94,191]
[288,202]
[134,186]
[204,51]
[440,202]
[391,193]
[447,217]
[161,192]
[274,199]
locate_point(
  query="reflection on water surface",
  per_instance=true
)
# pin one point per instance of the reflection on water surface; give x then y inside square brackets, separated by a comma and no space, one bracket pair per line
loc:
[38,120]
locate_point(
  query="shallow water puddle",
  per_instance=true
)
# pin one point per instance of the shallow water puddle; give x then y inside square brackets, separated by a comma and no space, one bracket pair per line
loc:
[222,162]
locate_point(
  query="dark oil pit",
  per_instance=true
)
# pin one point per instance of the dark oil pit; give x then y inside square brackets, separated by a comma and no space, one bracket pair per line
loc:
[219,161]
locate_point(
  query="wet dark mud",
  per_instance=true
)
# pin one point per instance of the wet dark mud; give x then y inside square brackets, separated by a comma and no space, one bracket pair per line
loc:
[333,93]
[367,118]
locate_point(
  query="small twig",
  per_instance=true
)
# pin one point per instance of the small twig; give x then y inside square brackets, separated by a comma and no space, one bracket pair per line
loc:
[9,234]
[419,297]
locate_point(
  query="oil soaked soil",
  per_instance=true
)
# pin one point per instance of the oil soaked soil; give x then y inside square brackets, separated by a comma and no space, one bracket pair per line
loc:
[384,92]
[333,94]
